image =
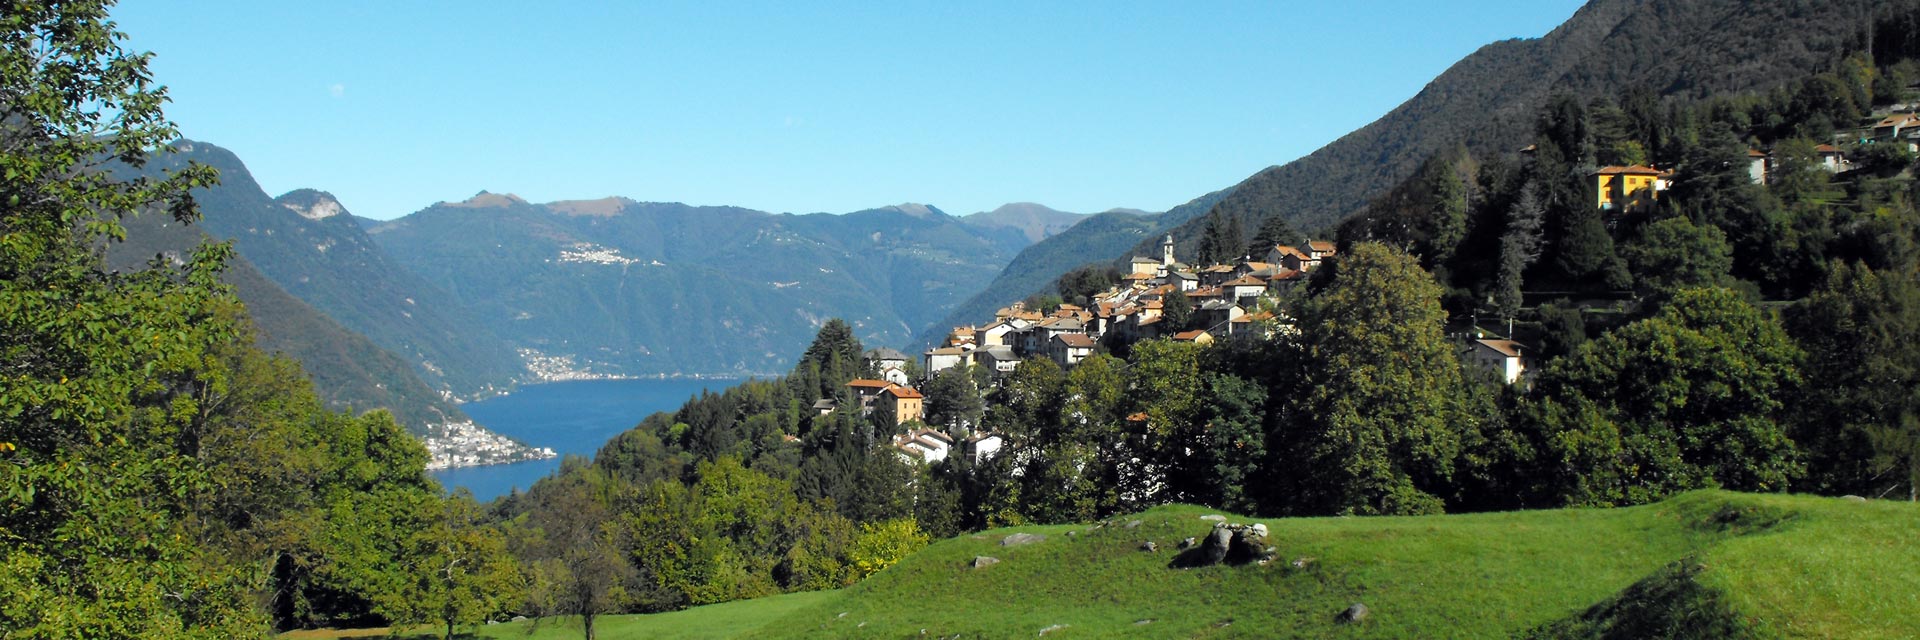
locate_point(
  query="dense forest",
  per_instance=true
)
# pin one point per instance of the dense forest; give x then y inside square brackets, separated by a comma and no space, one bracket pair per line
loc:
[161,476]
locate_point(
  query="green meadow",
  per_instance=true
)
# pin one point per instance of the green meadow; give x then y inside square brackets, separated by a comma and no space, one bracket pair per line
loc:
[1706,564]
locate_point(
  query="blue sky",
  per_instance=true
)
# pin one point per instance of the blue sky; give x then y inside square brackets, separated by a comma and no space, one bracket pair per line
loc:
[794,106]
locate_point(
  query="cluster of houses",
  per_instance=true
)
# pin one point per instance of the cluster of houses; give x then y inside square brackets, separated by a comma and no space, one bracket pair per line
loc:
[1225,299]
[907,406]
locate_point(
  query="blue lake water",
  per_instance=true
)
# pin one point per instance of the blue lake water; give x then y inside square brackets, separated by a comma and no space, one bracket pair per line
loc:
[571,417]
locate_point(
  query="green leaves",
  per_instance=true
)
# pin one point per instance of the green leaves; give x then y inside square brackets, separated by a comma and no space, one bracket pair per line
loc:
[1689,398]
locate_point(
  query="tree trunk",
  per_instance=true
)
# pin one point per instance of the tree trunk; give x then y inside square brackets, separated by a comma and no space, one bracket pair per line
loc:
[586,620]
[449,629]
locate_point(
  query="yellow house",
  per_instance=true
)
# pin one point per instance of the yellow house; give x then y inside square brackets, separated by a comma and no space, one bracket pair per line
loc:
[1625,188]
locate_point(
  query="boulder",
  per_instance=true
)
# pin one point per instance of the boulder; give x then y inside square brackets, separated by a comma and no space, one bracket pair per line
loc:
[982,562]
[1214,517]
[1258,530]
[1353,614]
[1021,538]
[1188,543]
[1149,546]
[1246,547]
[1215,548]
[1133,524]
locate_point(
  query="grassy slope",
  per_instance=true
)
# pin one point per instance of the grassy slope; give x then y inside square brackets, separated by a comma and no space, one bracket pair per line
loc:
[1706,564]
[725,620]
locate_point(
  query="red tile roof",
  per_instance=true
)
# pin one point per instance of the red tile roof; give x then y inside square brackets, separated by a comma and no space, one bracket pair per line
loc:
[869,384]
[1076,340]
[903,392]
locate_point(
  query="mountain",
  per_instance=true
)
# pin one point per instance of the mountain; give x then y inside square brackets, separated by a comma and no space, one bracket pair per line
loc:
[619,287]
[1035,221]
[347,369]
[1092,240]
[312,247]
[1675,49]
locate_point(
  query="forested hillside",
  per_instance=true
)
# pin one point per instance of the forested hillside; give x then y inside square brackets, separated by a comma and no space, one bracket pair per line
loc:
[1657,50]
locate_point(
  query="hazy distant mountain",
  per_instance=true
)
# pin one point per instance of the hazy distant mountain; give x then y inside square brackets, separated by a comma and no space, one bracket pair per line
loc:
[616,286]
[309,245]
[1036,221]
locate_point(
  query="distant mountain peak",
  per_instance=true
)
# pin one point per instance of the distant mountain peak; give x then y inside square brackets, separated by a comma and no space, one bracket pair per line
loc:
[603,207]
[489,200]
[1035,221]
[311,204]
[1023,208]
[916,210]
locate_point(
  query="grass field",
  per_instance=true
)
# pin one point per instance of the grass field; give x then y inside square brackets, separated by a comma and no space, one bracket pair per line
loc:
[1704,564]
[1707,564]
[725,620]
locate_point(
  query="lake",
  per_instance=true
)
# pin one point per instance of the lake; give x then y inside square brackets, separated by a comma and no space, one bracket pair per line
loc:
[575,418]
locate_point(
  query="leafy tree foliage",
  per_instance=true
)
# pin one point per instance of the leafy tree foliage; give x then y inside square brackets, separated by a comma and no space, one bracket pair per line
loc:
[881,544]
[1372,419]
[1675,254]
[1080,285]
[953,401]
[1862,370]
[1688,398]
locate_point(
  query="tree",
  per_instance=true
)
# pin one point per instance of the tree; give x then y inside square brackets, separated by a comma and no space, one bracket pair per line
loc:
[834,358]
[1222,239]
[881,544]
[1233,443]
[1371,428]
[1031,399]
[1080,285]
[577,554]
[1675,254]
[1274,231]
[1520,247]
[1176,311]
[1689,398]
[953,401]
[458,570]
[1165,397]
[104,373]
[1862,369]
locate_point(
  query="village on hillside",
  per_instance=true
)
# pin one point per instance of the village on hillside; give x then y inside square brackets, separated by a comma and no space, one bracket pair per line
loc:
[1156,298]
[1164,298]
